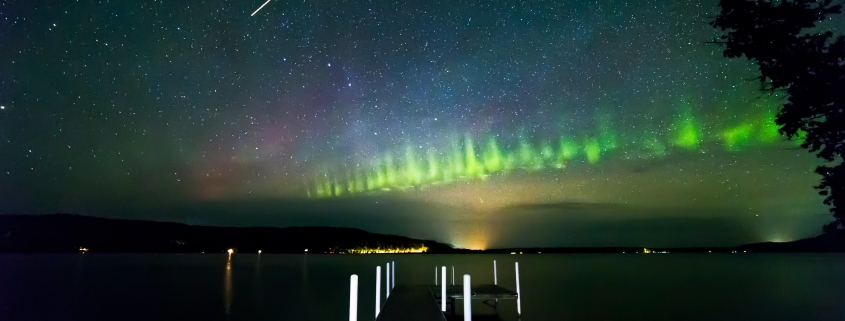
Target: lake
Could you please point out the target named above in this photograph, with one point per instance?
(316, 287)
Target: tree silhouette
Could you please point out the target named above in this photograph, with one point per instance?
(808, 67)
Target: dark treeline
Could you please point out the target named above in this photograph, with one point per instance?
(832, 241)
(69, 233)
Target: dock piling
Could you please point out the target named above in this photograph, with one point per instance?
(518, 296)
(353, 297)
(435, 275)
(420, 302)
(378, 289)
(467, 299)
(443, 290)
(495, 278)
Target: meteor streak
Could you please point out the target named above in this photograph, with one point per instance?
(259, 8)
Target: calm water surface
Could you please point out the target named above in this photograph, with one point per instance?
(316, 287)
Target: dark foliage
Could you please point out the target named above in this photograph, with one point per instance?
(67, 233)
(808, 67)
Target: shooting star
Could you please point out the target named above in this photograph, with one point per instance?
(259, 8)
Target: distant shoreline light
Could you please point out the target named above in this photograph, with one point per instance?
(379, 250)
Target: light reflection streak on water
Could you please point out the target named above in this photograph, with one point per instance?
(227, 286)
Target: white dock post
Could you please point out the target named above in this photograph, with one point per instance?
(387, 282)
(518, 296)
(393, 274)
(378, 289)
(353, 297)
(495, 278)
(443, 290)
(453, 275)
(435, 275)
(467, 299)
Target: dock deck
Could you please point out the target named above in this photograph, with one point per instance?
(479, 292)
(411, 303)
(422, 303)
(485, 292)
(431, 302)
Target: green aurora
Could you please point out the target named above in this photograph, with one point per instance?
(467, 157)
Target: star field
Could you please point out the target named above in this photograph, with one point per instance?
(113, 107)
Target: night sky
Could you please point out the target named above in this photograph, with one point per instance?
(480, 124)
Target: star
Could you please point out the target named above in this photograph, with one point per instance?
(500, 108)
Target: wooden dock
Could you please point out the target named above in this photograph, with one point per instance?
(430, 302)
(411, 303)
(489, 293)
(479, 292)
(422, 303)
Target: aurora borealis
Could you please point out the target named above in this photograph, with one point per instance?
(463, 158)
(506, 123)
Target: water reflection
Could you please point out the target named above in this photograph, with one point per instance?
(80, 286)
(256, 282)
(258, 265)
(78, 277)
(227, 286)
(304, 269)
(306, 281)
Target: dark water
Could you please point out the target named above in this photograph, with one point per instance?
(315, 287)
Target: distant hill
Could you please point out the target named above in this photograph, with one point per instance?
(829, 242)
(69, 233)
